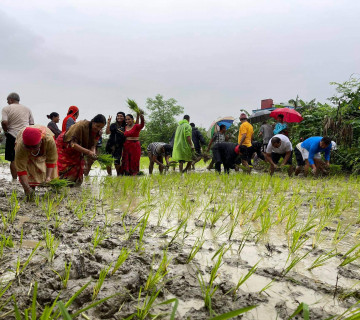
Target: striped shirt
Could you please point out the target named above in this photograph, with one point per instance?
(155, 148)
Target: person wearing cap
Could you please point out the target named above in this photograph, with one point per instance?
(15, 117)
(246, 132)
(226, 153)
(156, 152)
(307, 154)
(279, 147)
(52, 125)
(35, 157)
(70, 119)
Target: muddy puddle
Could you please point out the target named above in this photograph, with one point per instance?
(252, 240)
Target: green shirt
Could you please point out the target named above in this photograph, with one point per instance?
(181, 148)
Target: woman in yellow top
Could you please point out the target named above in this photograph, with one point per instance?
(246, 132)
(35, 157)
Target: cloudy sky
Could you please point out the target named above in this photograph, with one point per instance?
(213, 57)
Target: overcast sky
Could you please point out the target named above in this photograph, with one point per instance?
(213, 57)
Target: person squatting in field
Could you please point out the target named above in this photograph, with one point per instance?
(279, 147)
(156, 152)
(74, 144)
(35, 157)
(308, 154)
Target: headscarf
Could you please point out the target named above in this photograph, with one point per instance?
(72, 110)
(32, 136)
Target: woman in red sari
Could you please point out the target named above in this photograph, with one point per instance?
(73, 144)
(130, 164)
(70, 119)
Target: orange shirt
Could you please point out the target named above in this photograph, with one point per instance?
(248, 129)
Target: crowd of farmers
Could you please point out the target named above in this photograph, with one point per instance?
(38, 154)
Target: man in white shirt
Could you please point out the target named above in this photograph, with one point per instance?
(14, 118)
(279, 147)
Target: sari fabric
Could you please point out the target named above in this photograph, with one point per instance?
(71, 162)
(35, 166)
(130, 164)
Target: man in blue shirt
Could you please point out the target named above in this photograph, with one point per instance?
(309, 151)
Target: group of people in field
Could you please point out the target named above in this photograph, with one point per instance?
(38, 154)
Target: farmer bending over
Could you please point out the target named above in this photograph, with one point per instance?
(226, 153)
(156, 152)
(309, 151)
(279, 147)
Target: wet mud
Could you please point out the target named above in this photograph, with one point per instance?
(113, 209)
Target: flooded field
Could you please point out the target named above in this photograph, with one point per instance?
(198, 245)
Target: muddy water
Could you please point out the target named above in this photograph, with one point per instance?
(118, 207)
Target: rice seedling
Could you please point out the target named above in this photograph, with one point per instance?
(209, 288)
(48, 206)
(243, 279)
(143, 309)
(124, 253)
(51, 244)
(100, 281)
(195, 249)
(321, 259)
(143, 224)
(14, 206)
(233, 314)
(340, 234)
(3, 292)
(243, 240)
(349, 257)
(305, 311)
(98, 237)
(5, 242)
(18, 269)
(177, 231)
(293, 263)
(297, 240)
(64, 278)
(155, 277)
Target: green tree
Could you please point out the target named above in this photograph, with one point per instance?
(161, 122)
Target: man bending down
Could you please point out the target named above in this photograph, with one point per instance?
(279, 147)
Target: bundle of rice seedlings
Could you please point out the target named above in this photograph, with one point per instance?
(105, 160)
(59, 183)
(134, 107)
(206, 156)
(173, 164)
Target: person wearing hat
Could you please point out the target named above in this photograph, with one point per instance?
(246, 132)
(35, 157)
(156, 152)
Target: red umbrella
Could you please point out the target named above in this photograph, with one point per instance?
(290, 115)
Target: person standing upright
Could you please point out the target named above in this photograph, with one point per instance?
(183, 145)
(15, 117)
(246, 132)
(52, 125)
(70, 119)
(266, 132)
